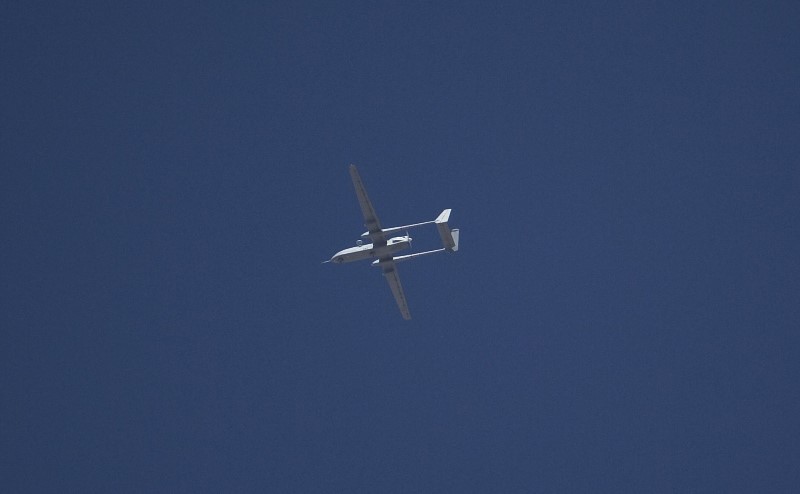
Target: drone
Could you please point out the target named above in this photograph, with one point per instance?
(382, 247)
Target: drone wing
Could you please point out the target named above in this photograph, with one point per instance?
(370, 218)
(390, 272)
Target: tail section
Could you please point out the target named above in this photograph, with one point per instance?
(449, 240)
(449, 237)
(452, 236)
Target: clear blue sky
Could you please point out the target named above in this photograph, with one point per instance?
(623, 315)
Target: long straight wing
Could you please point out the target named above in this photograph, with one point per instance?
(390, 272)
(370, 218)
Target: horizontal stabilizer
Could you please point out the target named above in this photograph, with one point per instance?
(448, 241)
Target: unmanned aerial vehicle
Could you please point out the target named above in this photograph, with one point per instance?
(382, 247)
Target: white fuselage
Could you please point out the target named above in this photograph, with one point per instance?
(368, 251)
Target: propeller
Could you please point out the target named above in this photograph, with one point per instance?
(409, 241)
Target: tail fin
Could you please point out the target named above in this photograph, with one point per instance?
(443, 217)
(454, 234)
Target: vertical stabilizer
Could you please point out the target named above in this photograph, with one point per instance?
(443, 217)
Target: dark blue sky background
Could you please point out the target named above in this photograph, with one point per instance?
(623, 315)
